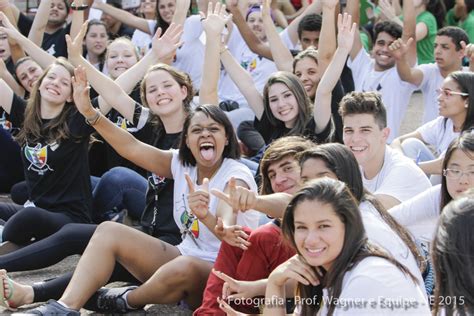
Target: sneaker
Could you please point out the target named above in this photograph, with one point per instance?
(113, 300)
(51, 308)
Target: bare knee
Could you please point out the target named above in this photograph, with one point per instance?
(107, 233)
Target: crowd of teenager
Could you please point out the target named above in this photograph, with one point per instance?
(239, 157)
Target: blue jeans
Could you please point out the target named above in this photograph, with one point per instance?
(120, 187)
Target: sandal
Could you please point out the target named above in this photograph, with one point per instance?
(4, 301)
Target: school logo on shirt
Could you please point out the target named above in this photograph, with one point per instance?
(38, 158)
(122, 123)
(249, 65)
(190, 223)
(51, 50)
(4, 123)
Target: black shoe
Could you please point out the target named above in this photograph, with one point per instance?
(52, 308)
(112, 300)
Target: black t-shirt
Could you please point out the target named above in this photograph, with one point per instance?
(57, 174)
(270, 132)
(337, 94)
(142, 133)
(160, 194)
(54, 44)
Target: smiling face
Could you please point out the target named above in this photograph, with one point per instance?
(148, 7)
(382, 55)
(459, 160)
(284, 175)
(255, 22)
(307, 70)
(58, 12)
(451, 105)
(283, 104)
(56, 88)
(120, 57)
(27, 73)
(166, 9)
(163, 94)
(4, 46)
(314, 168)
(319, 233)
(96, 39)
(364, 137)
(206, 139)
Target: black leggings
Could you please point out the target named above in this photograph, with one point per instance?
(33, 222)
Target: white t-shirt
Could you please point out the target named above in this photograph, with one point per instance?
(257, 66)
(399, 177)
(439, 133)
(375, 286)
(205, 245)
(380, 233)
(432, 80)
(190, 56)
(420, 214)
(395, 92)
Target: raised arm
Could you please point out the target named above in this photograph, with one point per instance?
(353, 9)
(39, 23)
(322, 101)
(123, 16)
(9, 80)
(252, 41)
(409, 29)
(7, 96)
(328, 34)
(181, 11)
(37, 53)
(407, 73)
(244, 82)
(213, 26)
(105, 86)
(143, 155)
(163, 50)
(280, 53)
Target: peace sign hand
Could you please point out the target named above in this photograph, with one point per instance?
(198, 200)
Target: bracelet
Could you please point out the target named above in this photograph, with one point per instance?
(94, 119)
(81, 7)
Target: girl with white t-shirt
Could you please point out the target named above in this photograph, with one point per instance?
(420, 213)
(206, 159)
(456, 110)
(357, 277)
(453, 259)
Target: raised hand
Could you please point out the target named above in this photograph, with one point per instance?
(216, 20)
(399, 48)
(233, 235)
(266, 8)
(8, 28)
(346, 32)
(74, 46)
(387, 12)
(198, 200)
(294, 268)
(80, 93)
(239, 198)
(232, 288)
(165, 46)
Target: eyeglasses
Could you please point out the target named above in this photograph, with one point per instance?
(457, 174)
(447, 93)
